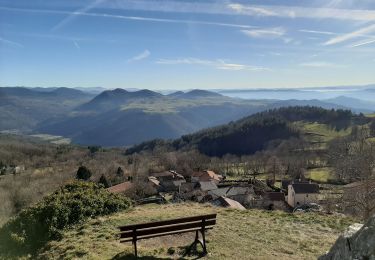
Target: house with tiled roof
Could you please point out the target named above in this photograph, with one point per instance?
(227, 203)
(206, 176)
(121, 188)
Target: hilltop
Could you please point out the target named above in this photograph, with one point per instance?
(237, 235)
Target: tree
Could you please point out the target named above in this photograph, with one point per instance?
(120, 172)
(354, 159)
(372, 128)
(103, 180)
(274, 167)
(83, 173)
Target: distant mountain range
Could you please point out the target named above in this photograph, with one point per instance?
(122, 117)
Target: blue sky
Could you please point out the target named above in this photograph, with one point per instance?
(187, 44)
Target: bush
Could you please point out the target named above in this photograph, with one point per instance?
(33, 227)
(83, 173)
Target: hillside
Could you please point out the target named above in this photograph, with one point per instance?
(250, 234)
(254, 133)
(23, 108)
(119, 117)
(122, 117)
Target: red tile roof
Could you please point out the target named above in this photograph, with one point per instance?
(122, 187)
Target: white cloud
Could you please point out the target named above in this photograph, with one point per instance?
(350, 36)
(320, 64)
(319, 32)
(267, 33)
(362, 43)
(252, 10)
(10, 43)
(123, 17)
(218, 64)
(332, 10)
(141, 56)
(71, 16)
(303, 12)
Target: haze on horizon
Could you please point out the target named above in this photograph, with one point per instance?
(158, 44)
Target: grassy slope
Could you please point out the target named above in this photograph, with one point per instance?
(316, 132)
(173, 105)
(251, 234)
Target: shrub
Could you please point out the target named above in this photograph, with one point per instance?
(83, 173)
(34, 226)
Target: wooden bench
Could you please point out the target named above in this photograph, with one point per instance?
(195, 224)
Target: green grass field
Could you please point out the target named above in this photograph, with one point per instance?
(320, 174)
(316, 132)
(249, 234)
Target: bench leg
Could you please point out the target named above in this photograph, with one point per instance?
(204, 242)
(135, 248)
(194, 245)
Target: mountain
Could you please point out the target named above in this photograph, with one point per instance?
(195, 93)
(23, 108)
(255, 132)
(321, 93)
(111, 99)
(355, 103)
(120, 118)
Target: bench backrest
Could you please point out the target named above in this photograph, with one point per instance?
(166, 227)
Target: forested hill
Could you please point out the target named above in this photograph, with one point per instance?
(253, 133)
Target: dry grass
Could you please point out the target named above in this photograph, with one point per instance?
(250, 234)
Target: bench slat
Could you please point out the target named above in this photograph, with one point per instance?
(169, 228)
(165, 234)
(167, 222)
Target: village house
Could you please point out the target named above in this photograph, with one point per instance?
(168, 181)
(227, 203)
(300, 193)
(121, 188)
(206, 176)
(242, 194)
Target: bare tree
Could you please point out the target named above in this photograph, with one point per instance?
(354, 159)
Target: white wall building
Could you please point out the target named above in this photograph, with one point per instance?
(302, 193)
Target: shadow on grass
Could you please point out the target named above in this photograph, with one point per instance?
(123, 256)
(130, 256)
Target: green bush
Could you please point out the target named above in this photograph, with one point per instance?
(34, 226)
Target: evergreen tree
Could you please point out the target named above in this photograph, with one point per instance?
(120, 172)
(103, 180)
(83, 173)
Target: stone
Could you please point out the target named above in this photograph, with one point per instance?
(357, 243)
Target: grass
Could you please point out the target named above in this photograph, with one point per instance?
(171, 105)
(250, 234)
(55, 139)
(321, 133)
(320, 174)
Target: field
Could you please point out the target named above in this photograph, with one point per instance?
(321, 133)
(172, 105)
(320, 174)
(250, 234)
